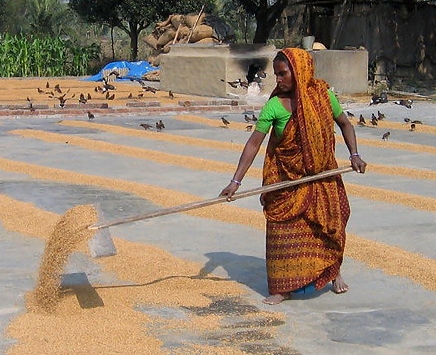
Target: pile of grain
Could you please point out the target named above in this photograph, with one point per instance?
(67, 234)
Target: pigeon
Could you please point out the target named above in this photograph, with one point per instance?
(82, 99)
(247, 118)
(149, 88)
(90, 116)
(374, 121)
(379, 99)
(57, 89)
(160, 125)
(362, 121)
(170, 94)
(405, 103)
(407, 119)
(146, 126)
(380, 116)
(225, 121)
(254, 118)
(88, 97)
(249, 128)
(130, 96)
(417, 121)
(386, 135)
(111, 97)
(412, 127)
(350, 114)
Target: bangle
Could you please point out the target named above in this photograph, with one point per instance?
(236, 182)
(354, 155)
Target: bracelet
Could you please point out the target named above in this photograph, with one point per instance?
(354, 155)
(236, 182)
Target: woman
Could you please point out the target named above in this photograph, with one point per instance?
(305, 230)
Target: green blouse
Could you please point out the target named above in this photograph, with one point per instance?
(274, 114)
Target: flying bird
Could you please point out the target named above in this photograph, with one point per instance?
(386, 135)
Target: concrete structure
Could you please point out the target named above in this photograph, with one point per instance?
(205, 69)
(346, 71)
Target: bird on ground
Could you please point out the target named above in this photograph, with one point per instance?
(412, 127)
(141, 95)
(417, 121)
(57, 89)
(379, 99)
(186, 104)
(130, 96)
(226, 123)
(47, 85)
(149, 88)
(146, 126)
(91, 116)
(89, 97)
(254, 118)
(386, 135)
(107, 86)
(362, 121)
(40, 91)
(350, 114)
(405, 103)
(380, 116)
(247, 118)
(249, 128)
(111, 97)
(407, 119)
(373, 117)
(160, 125)
(82, 99)
(170, 94)
(233, 84)
(374, 121)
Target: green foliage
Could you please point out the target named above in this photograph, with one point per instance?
(22, 56)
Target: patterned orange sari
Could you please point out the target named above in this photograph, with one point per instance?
(305, 236)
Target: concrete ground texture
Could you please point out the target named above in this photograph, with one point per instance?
(53, 159)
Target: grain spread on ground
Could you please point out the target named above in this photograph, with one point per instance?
(152, 276)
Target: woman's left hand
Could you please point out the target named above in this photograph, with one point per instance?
(358, 164)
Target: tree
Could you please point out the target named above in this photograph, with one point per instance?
(132, 16)
(266, 13)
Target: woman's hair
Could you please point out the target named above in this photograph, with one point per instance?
(281, 57)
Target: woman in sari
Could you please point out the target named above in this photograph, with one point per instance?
(305, 224)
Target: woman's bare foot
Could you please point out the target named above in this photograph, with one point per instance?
(276, 299)
(339, 285)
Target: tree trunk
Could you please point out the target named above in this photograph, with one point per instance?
(134, 34)
(112, 43)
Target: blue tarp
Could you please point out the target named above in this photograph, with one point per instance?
(136, 70)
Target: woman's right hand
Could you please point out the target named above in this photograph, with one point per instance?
(229, 191)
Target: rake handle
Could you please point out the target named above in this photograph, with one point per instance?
(220, 199)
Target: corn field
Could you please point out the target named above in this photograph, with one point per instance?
(23, 56)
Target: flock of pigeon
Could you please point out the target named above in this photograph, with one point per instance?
(380, 99)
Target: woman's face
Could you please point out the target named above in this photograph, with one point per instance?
(284, 78)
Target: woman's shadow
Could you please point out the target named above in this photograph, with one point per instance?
(249, 271)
